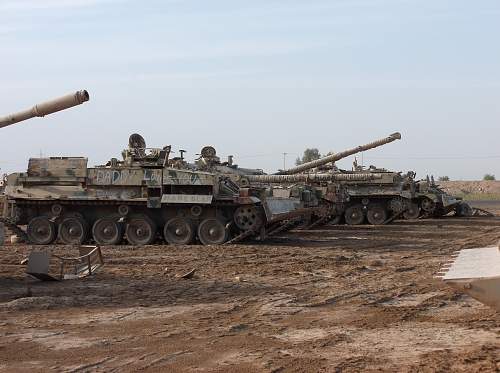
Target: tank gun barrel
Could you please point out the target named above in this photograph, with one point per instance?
(337, 156)
(47, 107)
(312, 177)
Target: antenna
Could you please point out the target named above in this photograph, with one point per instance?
(182, 151)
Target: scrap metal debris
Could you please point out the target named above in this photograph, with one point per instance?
(475, 272)
(480, 212)
(188, 275)
(41, 264)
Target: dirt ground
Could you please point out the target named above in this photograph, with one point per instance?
(335, 299)
(463, 188)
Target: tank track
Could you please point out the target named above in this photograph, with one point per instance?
(285, 225)
(279, 223)
(242, 236)
(10, 223)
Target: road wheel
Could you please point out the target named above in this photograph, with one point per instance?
(41, 231)
(248, 218)
(212, 232)
(140, 230)
(412, 211)
(376, 215)
(107, 231)
(337, 219)
(397, 205)
(73, 230)
(428, 205)
(355, 215)
(178, 231)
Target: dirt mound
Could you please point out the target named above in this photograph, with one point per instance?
(471, 187)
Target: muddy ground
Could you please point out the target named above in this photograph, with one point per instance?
(343, 299)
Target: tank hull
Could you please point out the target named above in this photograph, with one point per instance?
(140, 202)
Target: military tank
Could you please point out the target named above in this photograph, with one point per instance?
(39, 110)
(396, 195)
(377, 195)
(383, 199)
(433, 201)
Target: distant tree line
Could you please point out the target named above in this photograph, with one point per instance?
(487, 177)
(310, 154)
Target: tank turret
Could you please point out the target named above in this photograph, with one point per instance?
(337, 156)
(46, 108)
(209, 161)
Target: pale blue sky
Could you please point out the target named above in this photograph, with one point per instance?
(258, 78)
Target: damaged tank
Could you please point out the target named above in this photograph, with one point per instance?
(396, 195)
(383, 199)
(405, 197)
(433, 201)
(327, 190)
(376, 195)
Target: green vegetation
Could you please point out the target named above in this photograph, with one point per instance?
(489, 177)
(310, 154)
(444, 178)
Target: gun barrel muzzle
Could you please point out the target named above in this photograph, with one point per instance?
(46, 108)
